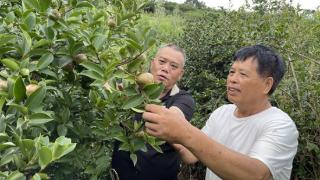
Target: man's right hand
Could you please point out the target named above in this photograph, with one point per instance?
(167, 124)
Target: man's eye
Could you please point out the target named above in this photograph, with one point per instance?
(161, 61)
(173, 66)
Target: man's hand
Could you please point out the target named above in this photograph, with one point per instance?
(167, 124)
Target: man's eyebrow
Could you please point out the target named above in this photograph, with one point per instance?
(168, 60)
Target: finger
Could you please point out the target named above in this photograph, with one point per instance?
(151, 126)
(151, 117)
(154, 108)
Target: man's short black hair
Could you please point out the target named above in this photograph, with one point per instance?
(270, 64)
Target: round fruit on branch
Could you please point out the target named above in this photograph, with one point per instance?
(31, 88)
(3, 85)
(79, 58)
(24, 72)
(112, 22)
(144, 79)
(55, 15)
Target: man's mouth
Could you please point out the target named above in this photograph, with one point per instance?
(162, 78)
(232, 90)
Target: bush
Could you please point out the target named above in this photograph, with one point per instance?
(211, 41)
(68, 86)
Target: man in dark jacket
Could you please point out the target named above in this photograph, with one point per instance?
(167, 67)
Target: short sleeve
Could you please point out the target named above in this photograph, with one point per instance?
(276, 147)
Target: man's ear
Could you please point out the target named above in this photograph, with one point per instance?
(180, 77)
(268, 84)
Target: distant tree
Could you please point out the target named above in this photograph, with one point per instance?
(196, 3)
(170, 6)
(150, 6)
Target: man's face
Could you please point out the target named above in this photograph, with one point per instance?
(244, 85)
(167, 67)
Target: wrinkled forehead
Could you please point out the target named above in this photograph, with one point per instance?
(250, 62)
(170, 54)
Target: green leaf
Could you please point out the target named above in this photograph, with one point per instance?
(157, 148)
(36, 177)
(135, 65)
(44, 61)
(39, 118)
(6, 145)
(41, 42)
(62, 146)
(19, 107)
(98, 41)
(84, 4)
(31, 4)
(49, 73)
(134, 158)
(19, 90)
(133, 101)
(4, 174)
(10, 63)
(153, 91)
(35, 99)
(134, 44)
(93, 67)
(49, 32)
(3, 137)
(92, 74)
(45, 157)
(138, 110)
(44, 5)
(10, 17)
(62, 130)
(27, 148)
(26, 44)
(6, 38)
(4, 49)
(39, 176)
(2, 101)
(16, 175)
(138, 144)
(6, 158)
(30, 21)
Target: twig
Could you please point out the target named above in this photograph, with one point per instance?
(295, 81)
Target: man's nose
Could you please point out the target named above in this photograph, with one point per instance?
(233, 78)
(165, 67)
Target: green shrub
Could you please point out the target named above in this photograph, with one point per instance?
(68, 86)
(210, 42)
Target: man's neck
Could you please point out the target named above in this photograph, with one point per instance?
(248, 110)
(164, 93)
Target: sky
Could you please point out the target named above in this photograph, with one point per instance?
(235, 4)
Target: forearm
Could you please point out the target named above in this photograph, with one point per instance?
(186, 156)
(222, 161)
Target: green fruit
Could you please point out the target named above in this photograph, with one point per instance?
(31, 88)
(112, 22)
(143, 57)
(3, 85)
(55, 15)
(144, 79)
(24, 72)
(107, 86)
(79, 58)
(140, 133)
(68, 67)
